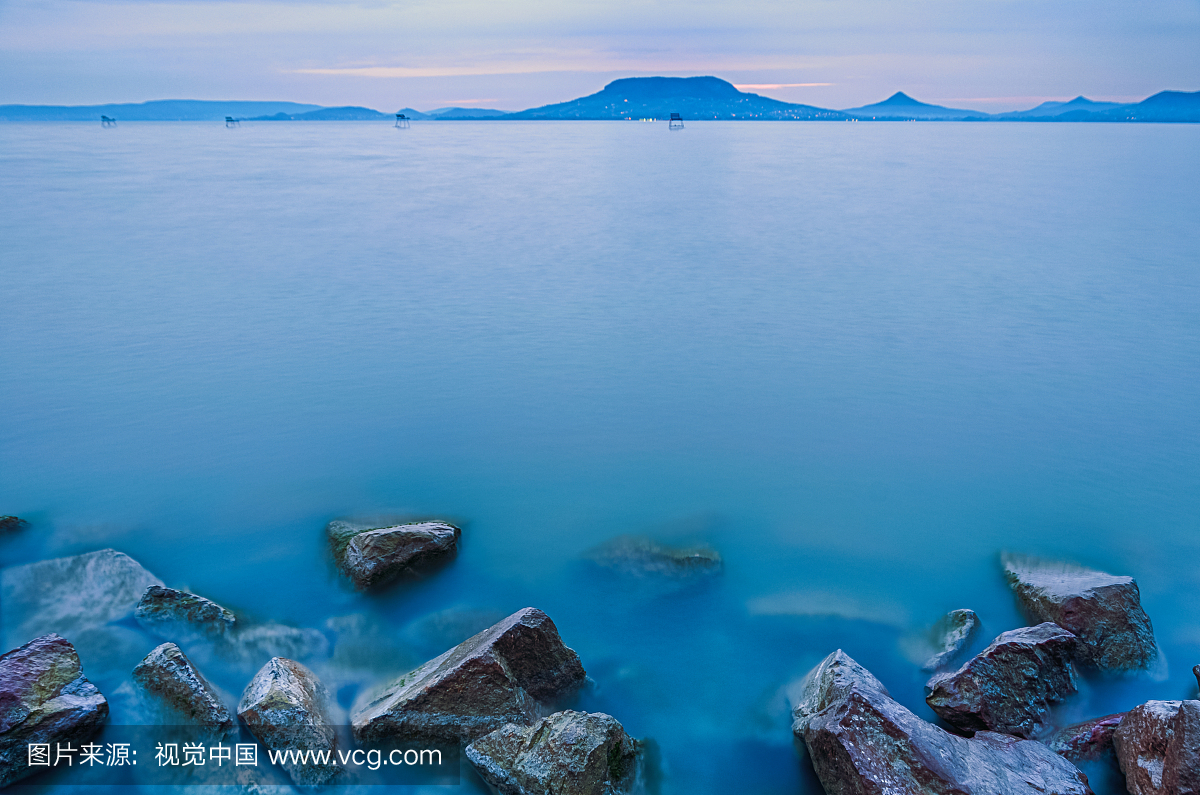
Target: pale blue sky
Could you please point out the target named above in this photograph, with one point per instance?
(989, 54)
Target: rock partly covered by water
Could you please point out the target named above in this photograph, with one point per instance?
(1158, 748)
(44, 698)
(1010, 686)
(65, 595)
(643, 557)
(172, 613)
(506, 674)
(1090, 741)
(1102, 610)
(10, 524)
(1196, 673)
(286, 708)
(373, 555)
(862, 742)
(567, 753)
(951, 636)
(169, 674)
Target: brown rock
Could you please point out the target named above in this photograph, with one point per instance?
(1158, 748)
(286, 708)
(1010, 686)
(508, 673)
(1090, 741)
(373, 555)
(1102, 610)
(178, 614)
(861, 742)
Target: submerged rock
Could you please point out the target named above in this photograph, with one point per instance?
(10, 524)
(286, 708)
(172, 613)
(1158, 748)
(505, 674)
(44, 698)
(263, 641)
(1090, 741)
(1102, 610)
(1010, 686)
(862, 742)
(1196, 673)
(643, 557)
(373, 555)
(66, 595)
(169, 674)
(567, 753)
(950, 637)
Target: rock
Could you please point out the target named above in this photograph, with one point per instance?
(643, 557)
(65, 595)
(169, 674)
(1090, 741)
(505, 674)
(862, 742)
(1010, 686)
(1196, 673)
(285, 707)
(1158, 748)
(1102, 610)
(373, 555)
(178, 614)
(951, 636)
(263, 641)
(44, 698)
(567, 753)
(10, 524)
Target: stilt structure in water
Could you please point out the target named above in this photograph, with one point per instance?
(232, 122)
(676, 122)
(401, 121)
(107, 122)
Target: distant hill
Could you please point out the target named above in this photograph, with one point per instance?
(658, 97)
(349, 113)
(158, 110)
(902, 107)
(1165, 106)
(465, 113)
(1048, 110)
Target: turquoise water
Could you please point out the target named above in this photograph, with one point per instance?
(858, 359)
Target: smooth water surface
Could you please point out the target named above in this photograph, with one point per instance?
(858, 359)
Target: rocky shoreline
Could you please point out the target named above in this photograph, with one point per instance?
(505, 695)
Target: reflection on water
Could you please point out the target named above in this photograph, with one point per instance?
(859, 361)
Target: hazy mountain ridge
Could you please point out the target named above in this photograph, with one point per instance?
(694, 98)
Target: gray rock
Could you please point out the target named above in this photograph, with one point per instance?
(179, 615)
(10, 524)
(861, 742)
(65, 595)
(1158, 748)
(643, 557)
(1090, 741)
(286, 708)
(1010, 686)
(166, 672)
(374, 555)
(567, 753)
(44, 698)
(505, 674)
(951, 636)
(1102, 610)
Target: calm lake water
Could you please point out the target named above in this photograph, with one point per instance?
(860, 360)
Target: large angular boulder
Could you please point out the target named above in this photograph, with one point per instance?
(508, 673)
(169, 674)
(286, 708)
(567, 753)
(44, 698)
(643, 557)
(861, 742)
(1010, 686)
(171, 613)
(1102, 610)
(950, 637)
(374, 555)
(1158, 748)
(66, 595)
(1090, 741)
